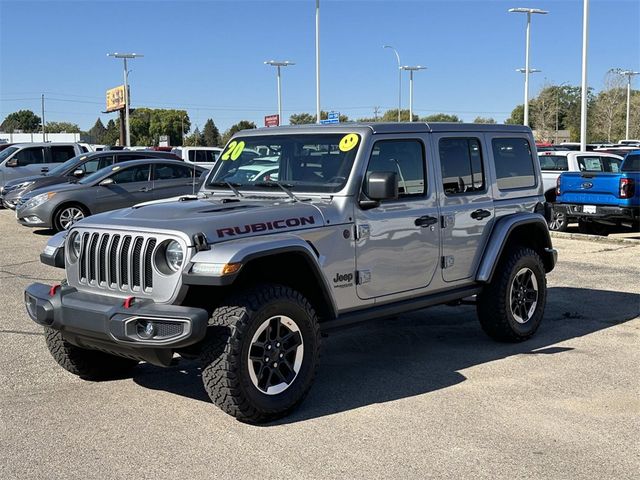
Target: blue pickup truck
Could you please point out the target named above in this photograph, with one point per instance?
(602, 200)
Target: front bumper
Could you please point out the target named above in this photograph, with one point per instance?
(602, 212)
(32, 217)
(145, 330)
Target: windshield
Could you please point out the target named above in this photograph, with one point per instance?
(304, 162)
(62, 168)
(7, 152)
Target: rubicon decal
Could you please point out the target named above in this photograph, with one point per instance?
(266, 226)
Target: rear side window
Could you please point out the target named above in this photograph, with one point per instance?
(461, 165)
(514, 163)
(406, 159)
(165, 171)
(554, 163)
(139, 173)
(62, 154)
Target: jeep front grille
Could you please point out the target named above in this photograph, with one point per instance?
(117, 261)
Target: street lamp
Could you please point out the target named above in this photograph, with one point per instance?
(125, 57)
(411, 69)
(583, 84)
(318, 111)
(629, 74)
(529, 12)
(399, 78)
(277, 64)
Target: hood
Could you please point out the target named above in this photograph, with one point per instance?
(17, 181)
(58, 187)
(38, 181)
(220, 219)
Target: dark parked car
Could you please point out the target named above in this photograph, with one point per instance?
(117, 186)
(71, 170)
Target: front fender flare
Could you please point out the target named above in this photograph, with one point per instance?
(499, 238)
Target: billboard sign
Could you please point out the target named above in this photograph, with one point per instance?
(115, 99)
(272, 120)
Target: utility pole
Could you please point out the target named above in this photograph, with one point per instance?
(44, 135)
(317, 61)
(376, 111)
(126, 56)
(629, 74)
(583, 101)
(411, 69)
(278, 65)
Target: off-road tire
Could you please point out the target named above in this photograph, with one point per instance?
(87, 364)
(224, 358)
(493, 305)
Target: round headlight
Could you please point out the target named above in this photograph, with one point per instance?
(174, 255)
(74, 246)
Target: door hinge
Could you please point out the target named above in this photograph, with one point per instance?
(447, 261)
(362, 231)
(363, 276)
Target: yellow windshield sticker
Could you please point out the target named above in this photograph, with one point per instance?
(348, 142)
(234, 150)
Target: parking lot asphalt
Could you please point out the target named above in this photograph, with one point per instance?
(427, 395)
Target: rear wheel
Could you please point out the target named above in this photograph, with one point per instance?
(262, 353)
(510, 308)
(67, 215)
(87, 364)
(559, 221)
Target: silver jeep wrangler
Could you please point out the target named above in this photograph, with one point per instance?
(297, 230)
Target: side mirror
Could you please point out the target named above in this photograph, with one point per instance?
(381, 186)
(12, 163)
(106, 182)
(79, 173)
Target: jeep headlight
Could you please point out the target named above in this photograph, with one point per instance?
(38, 199)
(174, 255)
(75, 243)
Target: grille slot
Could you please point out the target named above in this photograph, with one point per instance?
(120, 262)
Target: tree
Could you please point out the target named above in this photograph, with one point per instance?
(62, 127)
(196, 139)
(543, 113)
(211, 134)
(307, 118)
(609, 109)
(112, 133)
(484, 120)
(97, 132)
(441, 117)
(392, 115)
(24, 120)
(517, 116)
(241, 125)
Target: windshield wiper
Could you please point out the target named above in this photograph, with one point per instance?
(283, 186)
(232, 187)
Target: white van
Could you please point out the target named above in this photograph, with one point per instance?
(202, 156)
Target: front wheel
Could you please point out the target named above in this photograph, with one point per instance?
(67, 215)
(261, 354)
(510, 308)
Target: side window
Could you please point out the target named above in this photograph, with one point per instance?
(556, 163)
(30, 156)
(406, 159)
(165, 171)
(461, 165)
(139, 173)
(106, 161)
(611, 164)
(91, 166)
(62, 153)
(192, 155)
(514, 163)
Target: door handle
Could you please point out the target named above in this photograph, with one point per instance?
(145, 189)
(425, 221)
(480, 214)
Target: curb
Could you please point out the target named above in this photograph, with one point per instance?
(595, 238)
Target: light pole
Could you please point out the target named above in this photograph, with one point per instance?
(629, 74)
(125, 57)
(317, 61)
(584, 92)
(558, 106)
(277, 64)
(529, 12)
(411, 69)
(399, 78)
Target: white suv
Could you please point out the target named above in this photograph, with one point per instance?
(553, 163)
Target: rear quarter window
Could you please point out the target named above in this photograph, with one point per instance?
(555, 163)
(514, 163)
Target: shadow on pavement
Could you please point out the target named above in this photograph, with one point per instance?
(390, 359)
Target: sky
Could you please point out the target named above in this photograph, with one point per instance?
(207, 56)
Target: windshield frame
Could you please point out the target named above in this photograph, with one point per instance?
(329, 137)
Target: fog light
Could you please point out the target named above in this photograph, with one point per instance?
(146, 330)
